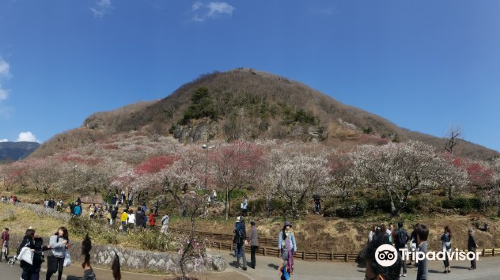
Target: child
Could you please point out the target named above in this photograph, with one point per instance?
(5, 244)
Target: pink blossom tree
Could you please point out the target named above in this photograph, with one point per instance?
(236, 165)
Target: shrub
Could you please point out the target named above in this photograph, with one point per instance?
(462, 204)
(351, 210)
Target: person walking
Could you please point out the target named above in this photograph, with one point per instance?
(114, 214)
(35, 244)
(446, 247)
(151, 219)
(422, 235)
(131, 219)
(471, 246)
(371, 234)
(244, 206)
(58, 243)
(401, 237)
(254, 244)
(5, 244)
(240, 238)
(317, 203)
(287, 246)
(164, 223)
(139, 218)
(413, 243)
(123, 219)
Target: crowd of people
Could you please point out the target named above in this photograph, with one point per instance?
(287, 246)
(399, 238)
(32, 253)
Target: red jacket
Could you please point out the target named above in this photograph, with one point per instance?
(152, 219)
(5, 236)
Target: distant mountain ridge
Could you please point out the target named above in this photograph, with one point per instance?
(16, 150)
(249, 104)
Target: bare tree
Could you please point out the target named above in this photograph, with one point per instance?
(453, 137)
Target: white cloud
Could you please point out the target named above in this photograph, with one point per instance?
(196, 6)
(217, 8)
(211, 10)
(4, 68)
(27, 137)
(101, 8)
(4, 75)
(4, 140)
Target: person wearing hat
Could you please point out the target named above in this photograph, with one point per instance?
(287, 246)
(240, 239)
(471, 246)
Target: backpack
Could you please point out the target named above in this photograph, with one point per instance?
(238, 236)
(78, 210)
(401, 238)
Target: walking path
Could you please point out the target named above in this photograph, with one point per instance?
(267, 269)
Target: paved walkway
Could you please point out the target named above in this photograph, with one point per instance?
(267, 270)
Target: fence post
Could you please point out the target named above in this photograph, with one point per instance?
(317, 255)
(231, 247)
(304, 255)
(331, 256)
(345, 257)
(493, 252)
(484, 251)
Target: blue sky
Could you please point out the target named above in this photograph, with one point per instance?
(424, 65)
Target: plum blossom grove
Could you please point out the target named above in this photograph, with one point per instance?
(163, 169)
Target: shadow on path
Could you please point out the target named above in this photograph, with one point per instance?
(272, 265)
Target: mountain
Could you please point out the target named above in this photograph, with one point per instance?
(249, 104)
(16, 150)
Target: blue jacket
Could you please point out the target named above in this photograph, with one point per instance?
(292, 241)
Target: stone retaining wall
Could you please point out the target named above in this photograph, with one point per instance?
(133, 259)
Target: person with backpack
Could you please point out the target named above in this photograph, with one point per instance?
(59, 243)
(240, 239)
(401, 237)
(139, 218)
(446, 247)
(77, 210)
(5, 244)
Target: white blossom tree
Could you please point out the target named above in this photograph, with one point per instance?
(400, 170)
(296, 176)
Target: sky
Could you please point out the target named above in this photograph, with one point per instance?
(424, 65)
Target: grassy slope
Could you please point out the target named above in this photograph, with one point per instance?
(315, 233)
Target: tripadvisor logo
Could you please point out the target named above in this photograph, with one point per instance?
(386, 255)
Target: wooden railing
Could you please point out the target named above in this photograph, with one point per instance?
(215, 242)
